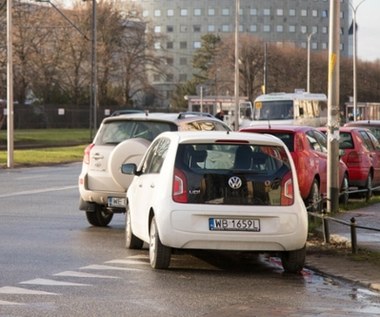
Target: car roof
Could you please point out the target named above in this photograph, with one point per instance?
(222, 136)
(363, 123)
(277, 128)
(163, 116)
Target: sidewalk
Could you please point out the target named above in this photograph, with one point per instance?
(336, 259)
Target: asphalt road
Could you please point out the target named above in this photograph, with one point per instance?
(53, 263)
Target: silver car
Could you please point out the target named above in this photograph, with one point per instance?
(124, 139)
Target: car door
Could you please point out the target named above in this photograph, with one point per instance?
(374, 147)
(318, 160)
(145, 187)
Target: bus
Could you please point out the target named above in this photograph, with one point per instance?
(298, 108)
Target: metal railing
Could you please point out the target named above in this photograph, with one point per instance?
(352, 224)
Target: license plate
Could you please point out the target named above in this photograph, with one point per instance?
(234, 224)
(116, 202)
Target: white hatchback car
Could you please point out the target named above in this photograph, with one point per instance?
(217, 191)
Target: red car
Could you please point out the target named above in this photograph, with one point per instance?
(362, 157)
(308, 147)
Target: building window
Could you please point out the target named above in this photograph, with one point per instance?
(156, 77)
(266, 12)
(225, 12)
(183, 45)
(145, 13)
(169, 28)
(303, 29)
(157, 29)
(292, 12)
(211, 28)
(169, 61)
(211, 11)
(324, 29)
(196, 28)
(314, 13)
(280, 12)
(303, 13)
(183, 12)
(325, 14)
(225, 28)
(253, 28)
(170, 12)
(183, 28)
(314, 29)
(292, 28)
(253, 12)
(169, 77)
(157, 45)
(157, 13)
(197, 44)
(197, 12)
(266, 28)
(169, 45)
(279, 28)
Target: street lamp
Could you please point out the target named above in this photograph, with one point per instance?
(354, 54)
(237, 96)
(308, 60)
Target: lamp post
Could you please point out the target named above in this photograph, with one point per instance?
(354, 55)
(237, 96)
(308, 60)
(10, 117)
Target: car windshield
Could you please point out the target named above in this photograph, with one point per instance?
(114, 132)
(212, 169)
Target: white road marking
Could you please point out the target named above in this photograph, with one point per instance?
(126, 261)
(3, 302)
(43, 281)
(107, 267)
(83, 274)
(37, 191)
(22, 291)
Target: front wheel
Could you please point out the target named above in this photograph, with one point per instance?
(293, 261)
(131, 241)
(159, 255)
(100, 217)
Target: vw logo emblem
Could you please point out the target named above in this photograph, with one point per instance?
(235, 182)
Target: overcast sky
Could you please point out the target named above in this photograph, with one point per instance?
(368, 34)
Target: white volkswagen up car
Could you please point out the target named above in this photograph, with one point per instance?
(216, 191)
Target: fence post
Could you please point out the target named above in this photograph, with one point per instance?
(326, 230)
(354, 245)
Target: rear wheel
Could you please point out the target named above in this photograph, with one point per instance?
(368, 187)
(344, 194)
(159, 254)
(100, 217)
(131, 241)
(293, 261)
(314, 200)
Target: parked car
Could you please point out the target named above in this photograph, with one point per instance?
(216, 191)
(362, 157)
(125, 138)
(372, 125)
(308, 147)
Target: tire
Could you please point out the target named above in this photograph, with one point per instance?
(159, 255)
(293, 261)
(344, 193)
(314, 203)
(100, 217)
(131, 241)
(368, 187)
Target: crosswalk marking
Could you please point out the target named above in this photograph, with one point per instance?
(22, 291)
(43, 281)
(126, 261)
(108, 267)
(3, 302)
(83, 274)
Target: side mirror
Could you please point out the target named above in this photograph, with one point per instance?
(341, 152)
(129, 169)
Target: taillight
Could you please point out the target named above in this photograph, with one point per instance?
(179, 186)
(353, 158)
(87, 150)
(287, 190)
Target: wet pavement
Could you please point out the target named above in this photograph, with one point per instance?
(342, 265)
